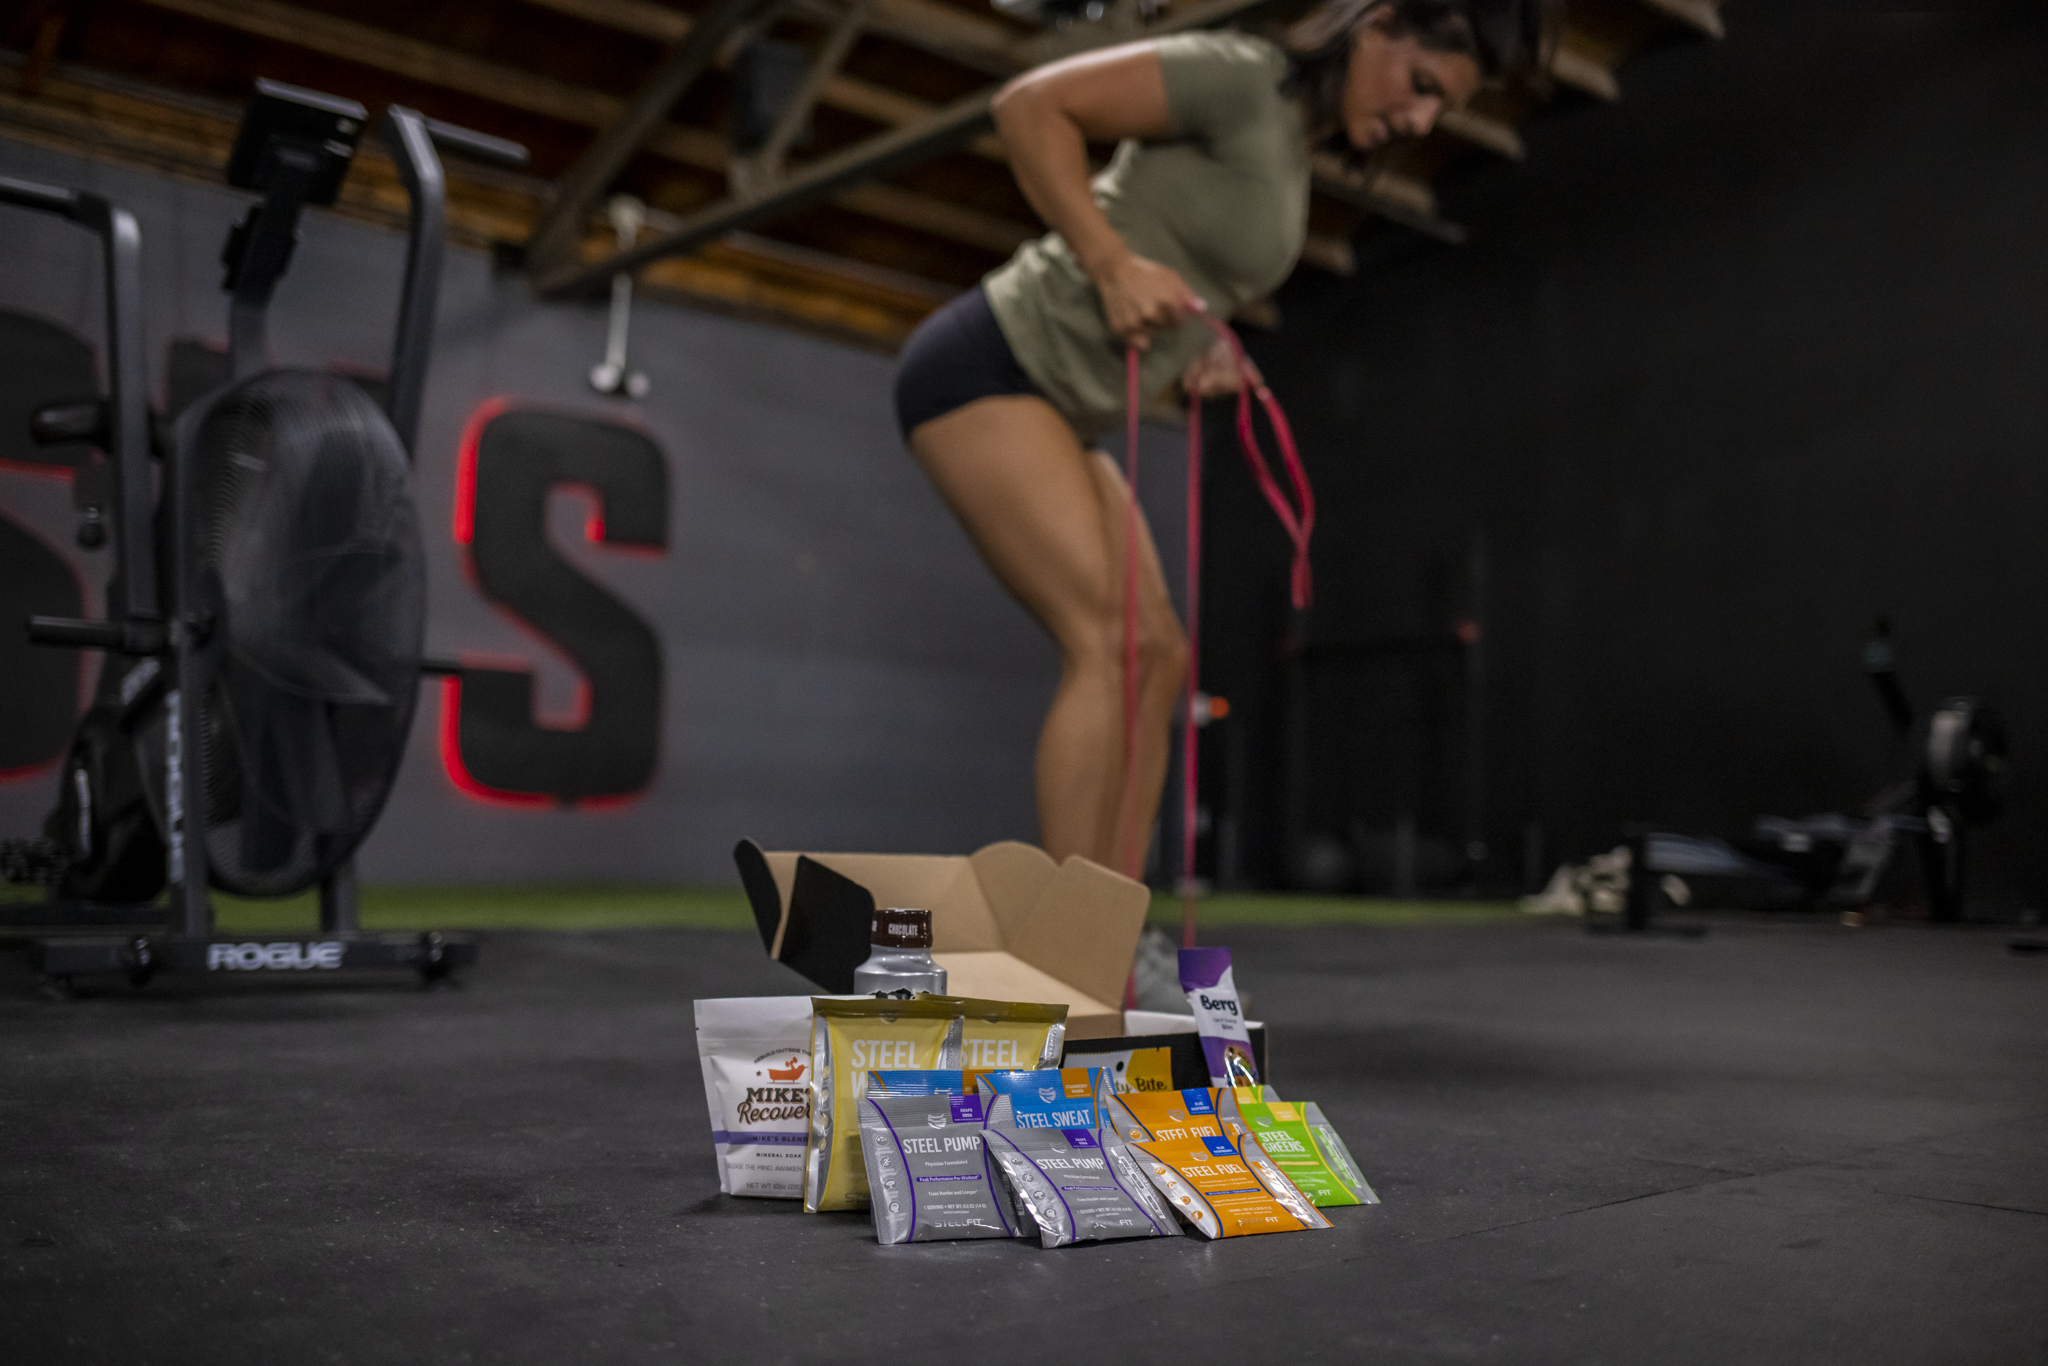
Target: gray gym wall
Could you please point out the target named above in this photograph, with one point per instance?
(1727, 368)
(840, 670)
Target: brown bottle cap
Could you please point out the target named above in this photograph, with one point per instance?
(901, 927)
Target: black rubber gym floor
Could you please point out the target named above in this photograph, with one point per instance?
(1775, 1144)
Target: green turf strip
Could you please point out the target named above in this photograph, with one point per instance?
(524, 907)
(590, 908)
(1285, 910)
(594, 908)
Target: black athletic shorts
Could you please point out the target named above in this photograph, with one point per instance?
(956, 356)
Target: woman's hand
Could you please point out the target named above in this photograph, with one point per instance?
(1215, 372)
(1142, 298)
(1046, 119)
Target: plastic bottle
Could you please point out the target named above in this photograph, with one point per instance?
(901, 959)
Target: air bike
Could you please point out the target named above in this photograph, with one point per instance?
(266, 615)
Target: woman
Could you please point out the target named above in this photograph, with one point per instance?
(1202, 210)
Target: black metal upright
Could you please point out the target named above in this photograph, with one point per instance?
(412, 147)
(133, 594)
(184, 783)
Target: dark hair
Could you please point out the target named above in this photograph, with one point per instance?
(1499, 35)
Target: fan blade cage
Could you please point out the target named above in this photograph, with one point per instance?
(307, 550)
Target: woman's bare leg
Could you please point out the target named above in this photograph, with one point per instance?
(1162, 671)
(1048, 518)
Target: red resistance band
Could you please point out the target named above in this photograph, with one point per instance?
(1296, 518)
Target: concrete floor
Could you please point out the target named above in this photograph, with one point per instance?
(1775, 1144)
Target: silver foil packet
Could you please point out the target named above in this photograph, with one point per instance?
(1079, 1185)
(928, 1169)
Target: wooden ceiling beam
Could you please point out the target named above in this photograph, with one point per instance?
(1571, 64)
(938, 217)
(560, 228)
(898, 149)
(840, 91)
(1329, 254)
(1483, 130)
(1395, 197)
(402, 56)
(1704, 16)
(815, 183)
(763, 165)
(697, 148)
(638, 17)
(924, 24)
(105, 118)
(984, 43)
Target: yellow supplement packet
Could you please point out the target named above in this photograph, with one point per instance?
(849, 1039)
(1009, 1035)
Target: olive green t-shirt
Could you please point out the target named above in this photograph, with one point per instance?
(1223, 201)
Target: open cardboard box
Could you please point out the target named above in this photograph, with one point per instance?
(1008, 924)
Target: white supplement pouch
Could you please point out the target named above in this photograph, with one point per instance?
(756, 1055)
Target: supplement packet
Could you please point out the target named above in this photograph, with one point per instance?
(1051, 1098)
(1225, 1185)
(1130, 1069)
(1145, 1116)
(849, 1039)
(1336, 1154)
(1009, 1034)
(1212, 995)
(935, 1082)
(1282, 1130)
(1077, 1185)
(755, 1052)
(929, 1172)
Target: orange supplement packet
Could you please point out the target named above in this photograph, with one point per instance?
(1146, 1116)
(1225, 1186)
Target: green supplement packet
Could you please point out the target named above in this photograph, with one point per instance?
(1303, 1144)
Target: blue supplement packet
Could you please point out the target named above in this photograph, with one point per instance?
(938, 1081)
(1050, 1098)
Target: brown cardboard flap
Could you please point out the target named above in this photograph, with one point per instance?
(1006, 923)
(962, 920)
(895, 879)
(1012, 877)
(1001, 977)
(943, 885)
(1084, 928)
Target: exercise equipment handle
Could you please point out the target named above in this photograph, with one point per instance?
(26, 194)
(410, 136)
(134, 589)
(477, 146)
(413, 137)
(128, 637)
(73, 420)
(89, 635)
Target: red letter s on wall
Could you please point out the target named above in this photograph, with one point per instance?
(493, 748)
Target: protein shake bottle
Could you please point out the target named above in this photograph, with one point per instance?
(901, 960)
